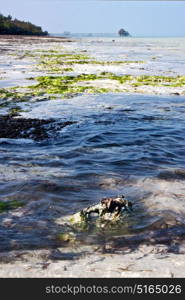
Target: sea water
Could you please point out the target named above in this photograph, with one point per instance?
(121, 143)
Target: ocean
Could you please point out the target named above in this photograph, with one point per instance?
(128, 143)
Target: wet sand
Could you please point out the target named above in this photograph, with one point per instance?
(145, 261)
(25, 39)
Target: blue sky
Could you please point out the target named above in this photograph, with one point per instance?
(140, 18)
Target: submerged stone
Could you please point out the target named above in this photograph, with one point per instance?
(36, 129)
(109, 212)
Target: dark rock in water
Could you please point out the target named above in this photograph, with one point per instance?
(175, 94)
(123, 32)
(171, 175)
(16, 128)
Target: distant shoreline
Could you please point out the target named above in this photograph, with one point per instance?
(109, 35)
(35, 38)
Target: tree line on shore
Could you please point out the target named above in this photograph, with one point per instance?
(15, 26)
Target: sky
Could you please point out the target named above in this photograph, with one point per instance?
(140, 18)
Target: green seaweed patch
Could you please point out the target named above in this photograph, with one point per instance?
(178, 81)
(71, 59)
(50, 87)
(122, 79)
(67, 237)
(102, 63)
(11, 94)
(46, 51)
(65, 84)
(67, 69)
(39, 53)
(9, 205)
(14, 95)
(118, 62)
(54, 66)
(65, 56)
(15, 110)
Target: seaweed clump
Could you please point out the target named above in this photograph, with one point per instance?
(9, 205)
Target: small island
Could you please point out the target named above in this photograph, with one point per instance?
(17, 27)
(123, 32)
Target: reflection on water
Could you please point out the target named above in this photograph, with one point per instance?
(121, 144)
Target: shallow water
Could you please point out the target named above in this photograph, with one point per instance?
(120, 144)
(161, 56)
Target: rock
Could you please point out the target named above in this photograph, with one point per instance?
(108, 212)
(16, 128)
(175, 94)
(123, 32)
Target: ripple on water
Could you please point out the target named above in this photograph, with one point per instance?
(131, 149)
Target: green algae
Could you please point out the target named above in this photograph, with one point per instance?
(71, 84)
(8, 205)
(53, 61)
(15, 110)
(102, 63)
(66, 84)
(177, 81)
(46, 51)
(66, 237)
(53, 67)
(71, 59)
(13, 94)
(67, 69)
(65, 55)
(50, 87)
(117, 62)
(5, 94)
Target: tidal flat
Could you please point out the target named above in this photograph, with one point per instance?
(81, 120)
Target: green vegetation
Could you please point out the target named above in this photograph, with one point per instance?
(71, 59)
(8, 94)
(66, 237)
(58, 61)
(10, 26)
(68, 84)
(52, 61)
(15, 110)
(8, 205)
(65, 55)
(178, 81)
(103, 63)
(13, 94)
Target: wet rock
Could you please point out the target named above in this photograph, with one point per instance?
(107, 213)
(16, 128)
(175, 94)
(109, 207)
(176, 174)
